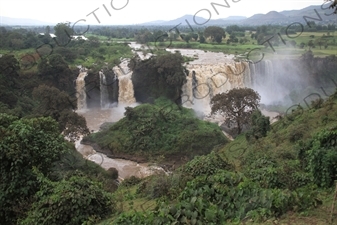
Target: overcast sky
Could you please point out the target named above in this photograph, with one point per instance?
(139, 11)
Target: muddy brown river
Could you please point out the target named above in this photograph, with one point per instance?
(126, 168)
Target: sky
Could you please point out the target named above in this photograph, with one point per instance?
(128, 12)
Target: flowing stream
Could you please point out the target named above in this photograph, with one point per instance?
(126, 168)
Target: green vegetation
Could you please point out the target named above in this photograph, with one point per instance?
(290, 168)
(158, 76)
(162, 129)
(282, 173)
(237, 105)
(70, 201)
(38, 167)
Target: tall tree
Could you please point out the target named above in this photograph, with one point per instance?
(58, 105)
(237, 105)
(158, 76)
(216, 33)
(25, 143)
(47, 31)
(63, 34)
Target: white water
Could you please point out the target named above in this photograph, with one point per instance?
(126, 92)
(215, 73)
(80, 90)
(104, 91)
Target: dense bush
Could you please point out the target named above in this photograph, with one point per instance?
(223, 197)
(25, 143)
(160, 129)
(205, 165)
(113, 173)
(70, 202)
(322, 158)
(158, 76)
(259, 126)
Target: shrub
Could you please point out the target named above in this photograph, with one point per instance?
(260, 125)
(113, 173)
(322, 158)
(130, 181)
(70, 202)
(205, 165)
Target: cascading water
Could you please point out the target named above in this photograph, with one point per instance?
(126, 92)
(80, 90)
(104, 91)
(265, 81)
(206, 80)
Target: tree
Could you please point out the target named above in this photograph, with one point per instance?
(216, 33)
(25, 143)
(9, 80)
(237, 105)
(186, 37)
(71, 201)
(158, 76)
(319, 42)
(202, 39)
(55, 72)
(58, 105)
(259, 125)
(63, 34)
(195, 36)
(311, 44)
(47, 30)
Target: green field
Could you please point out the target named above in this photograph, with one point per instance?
(280, 50)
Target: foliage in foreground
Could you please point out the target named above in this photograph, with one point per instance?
(25, 143)
(71, 201)
(221, 198)
(31, 145)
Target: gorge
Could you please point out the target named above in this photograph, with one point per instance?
(209, 74)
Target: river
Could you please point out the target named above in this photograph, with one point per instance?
(126, 168)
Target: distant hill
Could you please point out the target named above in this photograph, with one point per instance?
(235, 18)
(22, 22)
(269, 18)
(326, 14)
(182, 20)
(272, 17)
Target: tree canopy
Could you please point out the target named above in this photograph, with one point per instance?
(158, 76)
(63, 34)
(216, 33)
(25, 143)
(237, 105)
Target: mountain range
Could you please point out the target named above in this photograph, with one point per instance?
(309, 13)
(272, 17)
(8, 21)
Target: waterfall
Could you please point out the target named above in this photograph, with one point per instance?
(80, 90)
(206, 80)
(265, 81)
(104, 91)
(126, 91)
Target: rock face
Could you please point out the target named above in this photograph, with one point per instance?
(80, 90)
(126, 92)
(206, 80)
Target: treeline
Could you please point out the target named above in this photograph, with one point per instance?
(19, 38)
